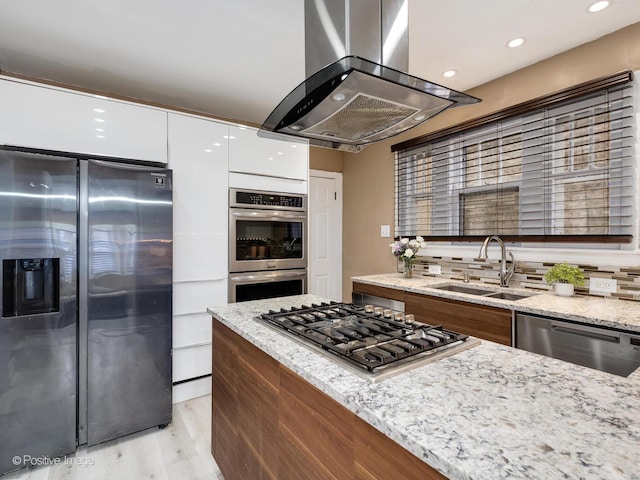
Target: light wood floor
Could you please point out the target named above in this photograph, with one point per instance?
(182, 450)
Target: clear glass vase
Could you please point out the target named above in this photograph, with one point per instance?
(408, 267)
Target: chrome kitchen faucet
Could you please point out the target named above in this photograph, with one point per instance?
(505, 272)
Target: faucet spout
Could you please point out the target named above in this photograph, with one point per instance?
(506, 272)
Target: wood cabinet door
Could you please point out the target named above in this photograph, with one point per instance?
(258, 385)
(480, 321)
(377, 291)
(316, 433)
(379, 458)
(224, 398)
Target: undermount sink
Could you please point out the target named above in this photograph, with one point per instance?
(507, 296)
(481, 292)
(463, 289)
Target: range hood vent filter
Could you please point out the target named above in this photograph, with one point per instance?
(354, 122)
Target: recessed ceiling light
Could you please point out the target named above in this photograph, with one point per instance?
(599, 6)
(449, 73)
(515, 42)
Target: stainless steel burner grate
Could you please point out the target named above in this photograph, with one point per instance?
(369, 338)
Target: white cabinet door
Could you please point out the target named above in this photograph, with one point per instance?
(191, 362)
(42, 117)
(191, 322)
(198, 154)
(249, 153)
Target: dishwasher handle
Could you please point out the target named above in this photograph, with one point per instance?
(585, 332)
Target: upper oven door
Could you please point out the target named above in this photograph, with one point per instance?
(266, 239)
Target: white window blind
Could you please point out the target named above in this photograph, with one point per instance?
(563, 172)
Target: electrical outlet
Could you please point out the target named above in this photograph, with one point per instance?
(603, 285)
(435, 269)
(385, 230)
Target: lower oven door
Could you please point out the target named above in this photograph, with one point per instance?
(260, 285)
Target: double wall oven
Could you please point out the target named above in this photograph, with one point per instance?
(267, 244)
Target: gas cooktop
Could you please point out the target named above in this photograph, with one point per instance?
(375, 340)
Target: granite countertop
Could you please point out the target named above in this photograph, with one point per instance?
(489, 412)
(605, 312)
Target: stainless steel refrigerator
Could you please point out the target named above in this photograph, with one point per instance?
(85, 333)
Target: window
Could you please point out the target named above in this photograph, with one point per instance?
(562, 172)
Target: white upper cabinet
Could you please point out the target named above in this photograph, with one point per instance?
(249, 153)
(198, 156)
(42, 117)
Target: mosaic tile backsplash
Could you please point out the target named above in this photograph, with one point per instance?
(529, 275)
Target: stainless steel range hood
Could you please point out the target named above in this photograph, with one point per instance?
(357, 92)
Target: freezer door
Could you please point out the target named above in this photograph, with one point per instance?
(38, 296)
(129, 285)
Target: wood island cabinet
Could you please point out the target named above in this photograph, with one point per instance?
(269, 423)
(376, 458)
(224, 398)
(377, 291)
(480, 321)
(244, 419)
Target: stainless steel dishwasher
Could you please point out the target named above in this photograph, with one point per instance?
(609, 350)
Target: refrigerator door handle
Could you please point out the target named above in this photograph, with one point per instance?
(83, 295)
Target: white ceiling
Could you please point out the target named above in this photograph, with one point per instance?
(237, 59)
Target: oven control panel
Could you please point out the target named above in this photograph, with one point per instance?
(270, 200)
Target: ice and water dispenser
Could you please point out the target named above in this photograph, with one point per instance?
(30, 286)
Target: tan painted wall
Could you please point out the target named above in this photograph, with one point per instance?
(325, 159)
(368, 176)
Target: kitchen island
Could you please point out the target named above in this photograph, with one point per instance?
(489, 412)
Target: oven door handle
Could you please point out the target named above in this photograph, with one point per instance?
(275, 215)
(268, 276)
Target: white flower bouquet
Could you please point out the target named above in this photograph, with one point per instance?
(406, 248)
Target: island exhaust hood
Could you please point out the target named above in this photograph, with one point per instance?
(351, 101)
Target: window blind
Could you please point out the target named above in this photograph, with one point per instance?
(563, 172)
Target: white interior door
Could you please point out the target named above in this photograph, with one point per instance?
(325, 234)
